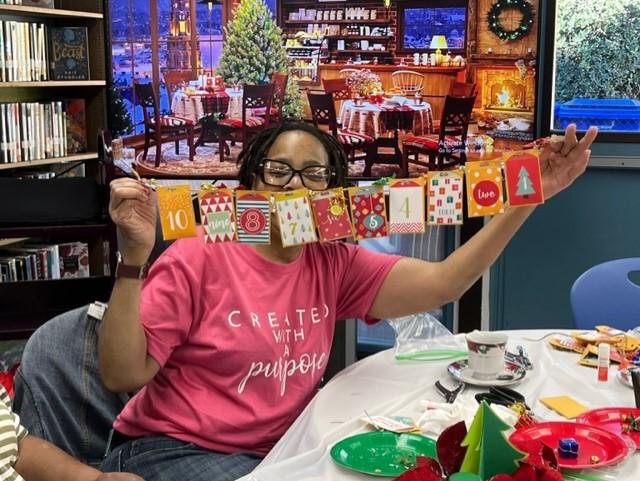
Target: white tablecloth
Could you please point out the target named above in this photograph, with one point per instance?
(190, 106)
(383, 386)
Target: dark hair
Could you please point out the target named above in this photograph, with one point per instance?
(257, 148)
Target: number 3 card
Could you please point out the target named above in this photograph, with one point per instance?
(294, 218)
(177, 217)
(406, 206)
(368, 211)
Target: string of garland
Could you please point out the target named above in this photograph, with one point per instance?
(493, 18)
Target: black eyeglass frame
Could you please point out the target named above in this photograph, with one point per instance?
(298, 172)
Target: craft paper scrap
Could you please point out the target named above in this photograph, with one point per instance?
(564, 405)
(484, 188)
(295, 218)
(396, 424)
(177, 217)
(523, 178)
(444, 194)
(368, 211)
(217, 219)
(406, 206)
(253, 216)
(331, 214)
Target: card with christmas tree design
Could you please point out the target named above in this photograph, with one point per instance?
(253, 216)
(295, 218)
(331, 214)
(523, 178)
(444, 197)
(484, 188)
(406, 206)
(217, 215)
(175, 208)
(368, 211)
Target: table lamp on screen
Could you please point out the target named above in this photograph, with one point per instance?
(438, 42)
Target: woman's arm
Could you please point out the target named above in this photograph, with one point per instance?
(39, 460)
(414, 285)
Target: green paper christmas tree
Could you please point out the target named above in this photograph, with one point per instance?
(253, 50)
(525, 187)
(488, 450)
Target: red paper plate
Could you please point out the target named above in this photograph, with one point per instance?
(611, 420)
(593, 441)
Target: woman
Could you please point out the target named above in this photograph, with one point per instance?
(228, 341)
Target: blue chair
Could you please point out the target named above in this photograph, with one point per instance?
(604, 294)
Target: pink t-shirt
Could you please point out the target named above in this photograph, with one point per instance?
(243, 342)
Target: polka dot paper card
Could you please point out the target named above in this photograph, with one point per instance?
(406, 206)
(175, 208)
(253, 216)
(368, 211)
(484, 188)
(218, 219)
(295, 218)
(523, 179)
(444, 194)
(331, 214)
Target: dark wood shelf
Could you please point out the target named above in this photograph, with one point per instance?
(376, 52)
(20, 315)
(55, 230)
(46, 12)
(377, 21)
(360, 37)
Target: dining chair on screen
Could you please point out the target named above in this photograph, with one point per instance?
(457, 89)
(407, 82)
(339, 90)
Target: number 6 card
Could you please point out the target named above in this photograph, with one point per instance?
(294, 218)
(177, 217)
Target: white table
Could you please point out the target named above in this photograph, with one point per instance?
(189, 106)
(382, 385)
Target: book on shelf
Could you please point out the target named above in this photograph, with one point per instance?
(69, 54)
(76, 118)
(37, 3)
(23, 52)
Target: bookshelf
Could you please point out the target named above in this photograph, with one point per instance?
(26, 304)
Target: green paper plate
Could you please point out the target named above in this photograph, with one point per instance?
(432, 355)
(382, 453)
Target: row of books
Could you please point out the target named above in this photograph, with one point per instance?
(32, 3)
(28, 49)
(41, 130)
(33, 262)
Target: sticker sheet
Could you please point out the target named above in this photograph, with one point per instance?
(175, 208)
(331, 214)
(406, 206)
(484, 188)
(368, 211)
(253, 216)
(444, 194)
(295, 218)
(523, 178)
(217, 215)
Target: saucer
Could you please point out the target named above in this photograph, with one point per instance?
(624, 376)
(512, 374)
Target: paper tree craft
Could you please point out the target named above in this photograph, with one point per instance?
(488, 450)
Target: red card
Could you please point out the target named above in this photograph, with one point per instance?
(522, 175)
(368, 212)
(332, 215)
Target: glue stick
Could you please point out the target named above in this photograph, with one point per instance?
(604, 351)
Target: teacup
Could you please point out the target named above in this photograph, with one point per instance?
(486, 353)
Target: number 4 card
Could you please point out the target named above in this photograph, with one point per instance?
(406, 206)
(524, 182)
(294, 218)
(177, 217)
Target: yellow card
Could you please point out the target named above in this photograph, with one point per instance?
(564, 405)
(176, 211)
(484, 188)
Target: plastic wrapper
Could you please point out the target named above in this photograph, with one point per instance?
(422, 337)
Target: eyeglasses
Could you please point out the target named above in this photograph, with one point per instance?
(278, 174)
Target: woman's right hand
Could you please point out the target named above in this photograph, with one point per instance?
(132, 207)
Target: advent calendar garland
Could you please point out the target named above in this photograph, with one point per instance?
(305, 216)
(493, 18)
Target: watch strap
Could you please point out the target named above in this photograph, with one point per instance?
(131, 272)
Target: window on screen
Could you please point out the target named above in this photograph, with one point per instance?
(419, 22)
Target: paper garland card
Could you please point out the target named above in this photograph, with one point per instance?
(406, 206)
(484, 188)
(175, 208)
(294, 217)
(217, 219)
(368, 211)
(253, 216)
(331, 214)
(523, 178)
(444, 194)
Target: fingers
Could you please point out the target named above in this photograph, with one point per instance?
(570, 139)
(588, 138)
(127, 189)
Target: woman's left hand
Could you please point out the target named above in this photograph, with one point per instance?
(564, 158)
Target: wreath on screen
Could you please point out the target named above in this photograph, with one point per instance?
(493, 18)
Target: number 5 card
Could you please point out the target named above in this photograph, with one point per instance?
(177, 217)
(294, 218)
(406, 206)
(368, 211)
